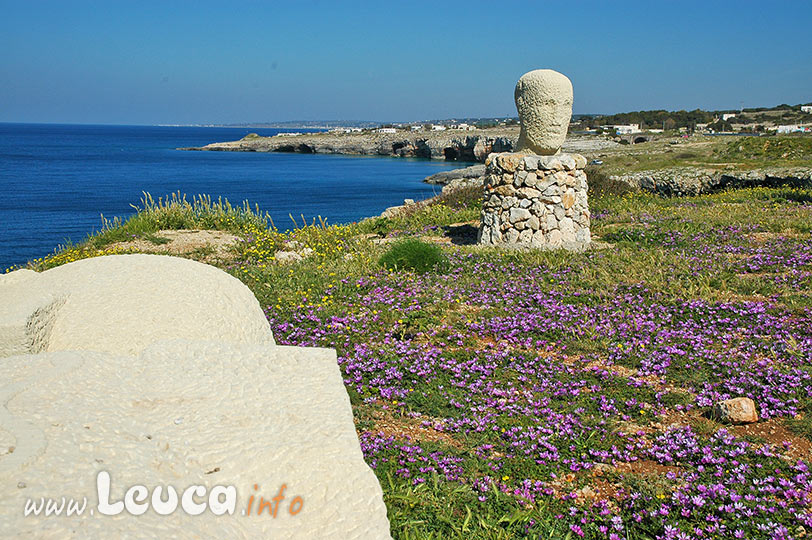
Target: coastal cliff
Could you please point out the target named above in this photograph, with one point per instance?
(447, 145)
(451, 145)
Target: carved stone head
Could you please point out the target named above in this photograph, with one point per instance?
(544, 101)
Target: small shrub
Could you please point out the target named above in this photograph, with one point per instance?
(600, 183)
(414, 255)
(469, 197)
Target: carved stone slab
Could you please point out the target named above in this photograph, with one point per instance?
(259, 438)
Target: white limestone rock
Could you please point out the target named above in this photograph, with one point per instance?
(544, 102)
(122, 303)
(163, 372)
(185, 413)
(519, 214)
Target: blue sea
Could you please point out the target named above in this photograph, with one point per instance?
(57, 180)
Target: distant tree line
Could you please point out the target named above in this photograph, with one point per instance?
(661, 119)
(782, 107)
(658, 119)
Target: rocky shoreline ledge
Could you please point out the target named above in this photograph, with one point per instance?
(450, 145)
(680, 181)
(671, 182)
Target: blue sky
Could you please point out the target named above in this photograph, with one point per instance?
(150, 62)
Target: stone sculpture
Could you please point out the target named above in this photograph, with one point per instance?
(199, 401)
(537, 197)
(544, 102)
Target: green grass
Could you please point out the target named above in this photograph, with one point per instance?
(767, 148)
(176, 212)
(726, 153)
(173, 212)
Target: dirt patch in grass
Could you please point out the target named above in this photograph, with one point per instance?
(440, 240)
(209, 246)
(774, 432)
(412, 428)
(733, 297)
(605, 490)
(764, 237)
(646, 467)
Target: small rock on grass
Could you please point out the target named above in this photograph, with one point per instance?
(739, 410)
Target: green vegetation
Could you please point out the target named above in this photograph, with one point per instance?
(413, 255)
(173, 212)
(657, 119)
(669, 120)
(716, 153)
(527, 394)
(176, 212)
(768, 148)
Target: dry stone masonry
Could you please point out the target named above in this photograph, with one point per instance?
(535, 202)
(538, 198)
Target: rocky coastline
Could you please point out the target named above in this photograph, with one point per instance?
(449, 145)
(475, 146)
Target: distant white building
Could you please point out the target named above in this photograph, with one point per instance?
(386, 130)
(806, 108)
(728, 116)
(626, 129)
(789, 129)
(436, 127)
(416, 128)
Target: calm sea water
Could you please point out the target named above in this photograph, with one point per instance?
(57, 180)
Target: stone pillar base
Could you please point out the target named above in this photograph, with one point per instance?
(535, 202)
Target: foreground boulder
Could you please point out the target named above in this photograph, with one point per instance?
(123, 303)
(143, 436)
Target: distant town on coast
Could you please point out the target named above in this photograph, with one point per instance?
(778, 119)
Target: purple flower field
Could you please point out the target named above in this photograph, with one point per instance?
(526, 394)
(553, 395)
